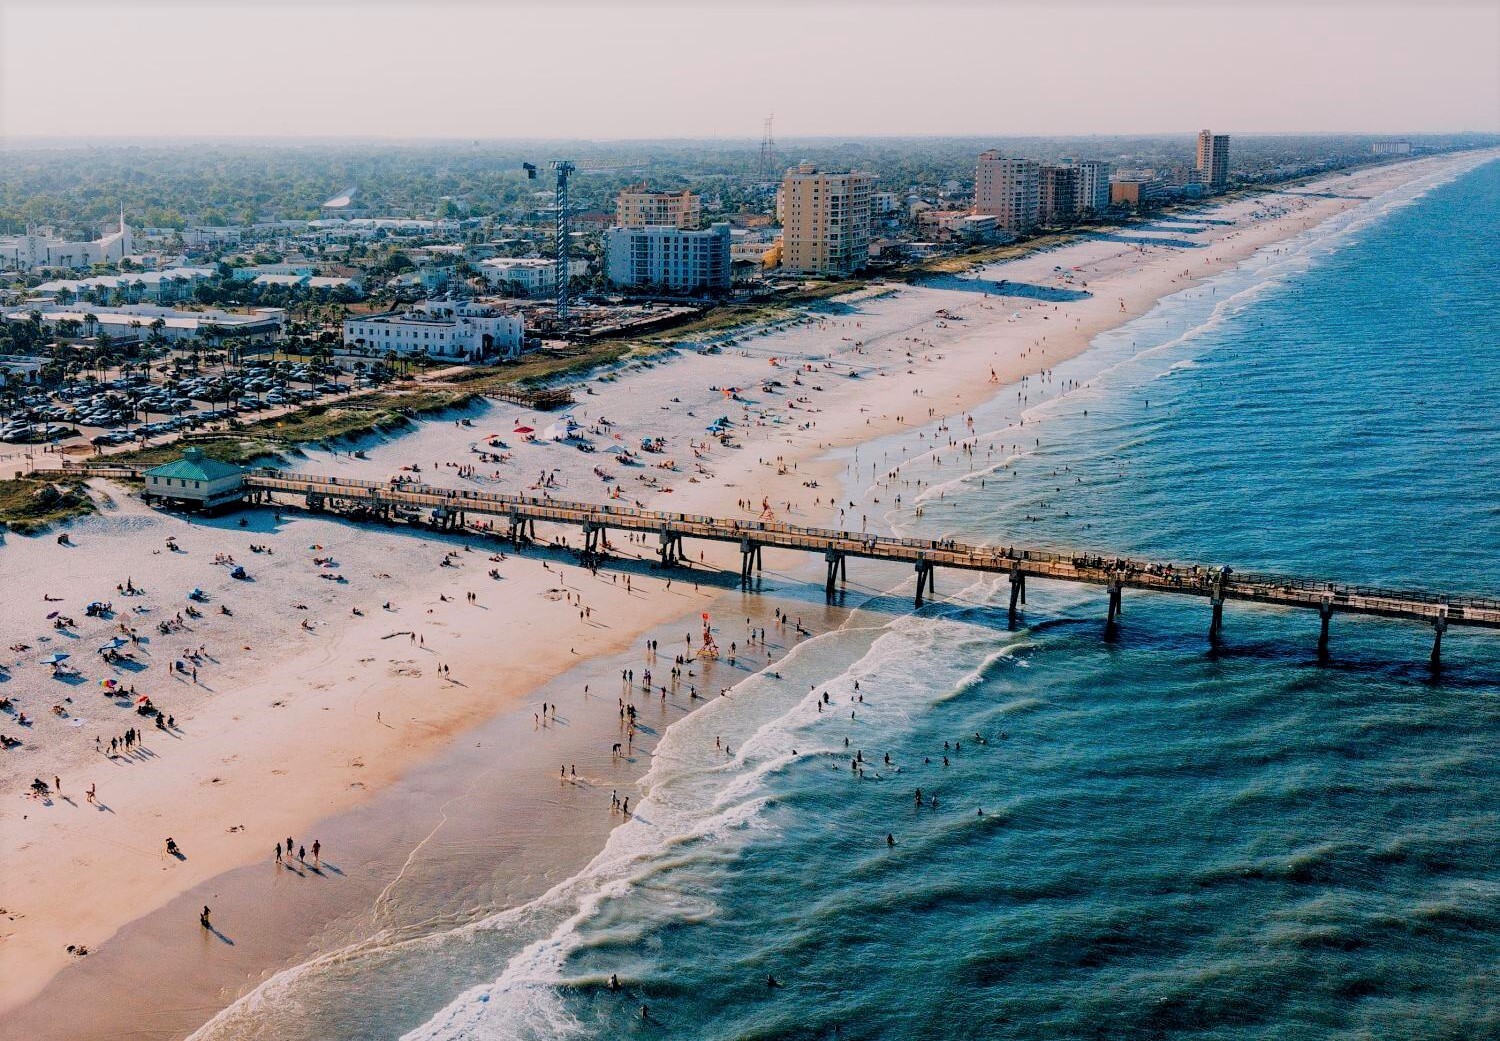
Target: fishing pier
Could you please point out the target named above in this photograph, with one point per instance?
(453, 510)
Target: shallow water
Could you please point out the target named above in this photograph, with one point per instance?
(1173, 843)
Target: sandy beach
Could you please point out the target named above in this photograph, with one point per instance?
(344, 691)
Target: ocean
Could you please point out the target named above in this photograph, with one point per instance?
(1137, 837)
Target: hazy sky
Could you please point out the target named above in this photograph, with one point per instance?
(568, 68)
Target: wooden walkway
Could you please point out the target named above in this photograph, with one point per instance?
(451, 509)
(454, 508)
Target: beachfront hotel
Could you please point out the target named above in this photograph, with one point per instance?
(825, 220)
(1213, 158)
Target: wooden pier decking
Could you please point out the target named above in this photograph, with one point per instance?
(452, 508)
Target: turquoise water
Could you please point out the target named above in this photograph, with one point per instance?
(1173, 843)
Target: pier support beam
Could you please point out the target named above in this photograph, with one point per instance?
(1017, 589)
(1216, 600)
(1325, 614)
(1439, 627)
(925, 584)
(837, 569)
(671, 548)
(749, 557)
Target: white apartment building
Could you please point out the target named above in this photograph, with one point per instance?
(1092, 184)
(669, 258)
(458, 329)
(139, 321)
(162, 287)
(534, 275)
(1009, 190)
(825, 220)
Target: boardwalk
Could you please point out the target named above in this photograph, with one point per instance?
(1217, 585)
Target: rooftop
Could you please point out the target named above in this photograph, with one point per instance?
(195, 466)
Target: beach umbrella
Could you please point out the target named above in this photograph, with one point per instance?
(615, 450)
(141, 699)
(114, 643)
(55, 658)
(109, 684)
(525, 430)
(53, 614)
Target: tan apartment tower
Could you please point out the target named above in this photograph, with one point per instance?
(1213, 158)
(1008, 190)
(825, 220)
(639, 207)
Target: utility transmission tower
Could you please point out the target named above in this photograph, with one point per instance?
(768, 151)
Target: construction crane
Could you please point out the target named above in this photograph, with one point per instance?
(563, 226)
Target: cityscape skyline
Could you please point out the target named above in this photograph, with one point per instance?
(1324, 68)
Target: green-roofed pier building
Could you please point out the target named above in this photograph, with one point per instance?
(196, 481)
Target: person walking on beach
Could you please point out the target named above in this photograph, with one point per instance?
(317, 854)
(203, 918)
(278, 853)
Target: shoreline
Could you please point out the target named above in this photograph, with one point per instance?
(948, 384)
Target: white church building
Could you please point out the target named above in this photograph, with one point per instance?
(40, 248)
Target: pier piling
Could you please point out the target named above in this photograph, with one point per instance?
(924, 580)
(1111, 621)
(837, 569)
(749, 558)
(1017, 589)
(1325, 614)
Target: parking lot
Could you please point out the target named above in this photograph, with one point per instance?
(132, 408)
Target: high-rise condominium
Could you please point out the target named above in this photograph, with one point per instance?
(1213, 158)
(825, 220)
